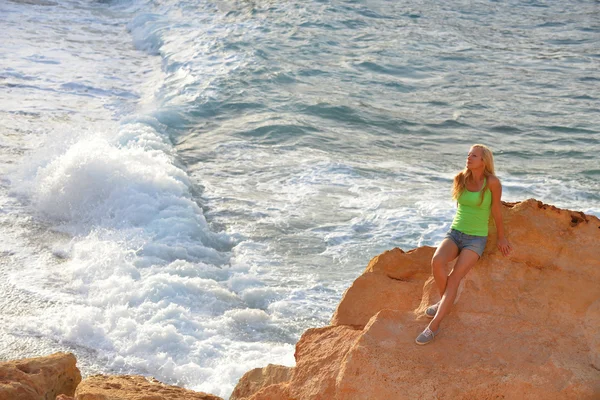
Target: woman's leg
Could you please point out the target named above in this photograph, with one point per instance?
(446, 252)
(465, 262)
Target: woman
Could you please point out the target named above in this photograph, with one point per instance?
(477, 191)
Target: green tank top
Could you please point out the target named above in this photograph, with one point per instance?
(471, 217)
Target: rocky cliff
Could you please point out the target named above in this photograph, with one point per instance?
(526, 326)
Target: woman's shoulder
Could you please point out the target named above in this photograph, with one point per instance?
(493, 181)
(493, 178)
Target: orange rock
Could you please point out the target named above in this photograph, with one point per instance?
(383, 283)
(133, 387)
(319, 354)
(279, 392)
(39, 378)
(526, 326)
(258, 378)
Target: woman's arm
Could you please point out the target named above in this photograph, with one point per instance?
(496, 189)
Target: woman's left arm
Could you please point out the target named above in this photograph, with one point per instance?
(496, 189)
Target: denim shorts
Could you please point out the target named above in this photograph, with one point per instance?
(464, 241)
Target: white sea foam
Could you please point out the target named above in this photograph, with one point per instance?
(142, 278)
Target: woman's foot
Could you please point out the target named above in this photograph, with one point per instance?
(432, 310)
(426, 336)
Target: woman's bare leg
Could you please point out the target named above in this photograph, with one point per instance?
(465, 262)
(446, 252)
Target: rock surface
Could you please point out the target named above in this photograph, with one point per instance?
(257, 378)
(42, 378)
(133, 387)
(526, 326)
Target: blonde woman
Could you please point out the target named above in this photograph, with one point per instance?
(477, 191)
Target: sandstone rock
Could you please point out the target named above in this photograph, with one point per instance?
(279, 392)
(133, 387)
(39, 378)
(383, 283)
(525, 326)
(258, 378)
(319, 355)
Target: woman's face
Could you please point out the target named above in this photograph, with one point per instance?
(474, 158)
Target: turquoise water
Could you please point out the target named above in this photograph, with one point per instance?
(187, 186)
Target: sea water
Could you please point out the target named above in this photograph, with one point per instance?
(186, 186)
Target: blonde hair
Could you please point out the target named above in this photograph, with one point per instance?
(460, 180)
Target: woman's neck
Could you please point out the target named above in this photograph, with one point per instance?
(477, 176)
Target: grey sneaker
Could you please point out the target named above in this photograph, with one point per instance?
(426, 336)
(432, 310)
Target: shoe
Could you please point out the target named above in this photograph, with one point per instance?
(432, 310)
(426, 336)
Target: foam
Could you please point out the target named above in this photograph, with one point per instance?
(141, 280)
(126, 183)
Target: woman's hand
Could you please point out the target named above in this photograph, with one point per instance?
(504, 247)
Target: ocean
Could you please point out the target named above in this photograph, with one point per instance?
(186, 186)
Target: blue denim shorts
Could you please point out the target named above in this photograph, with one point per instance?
(464, 241)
